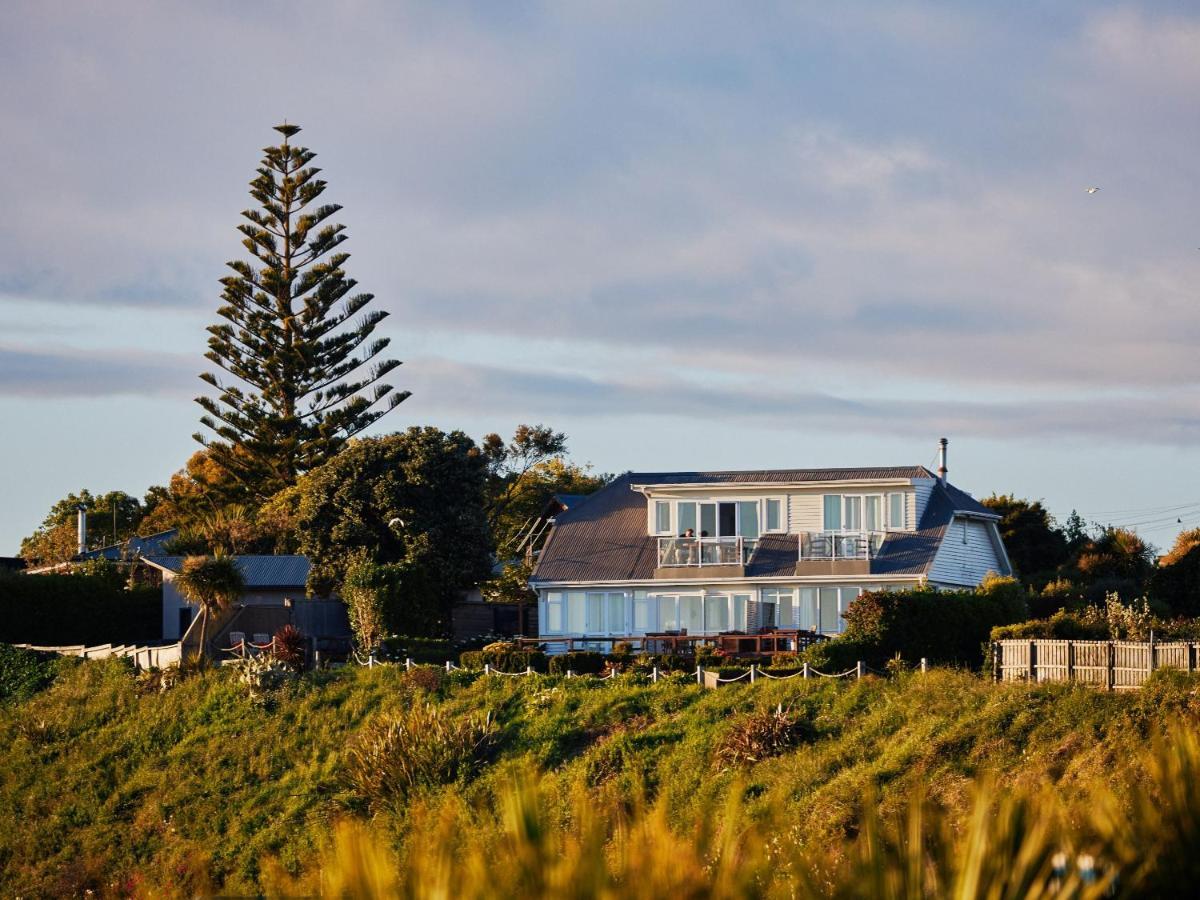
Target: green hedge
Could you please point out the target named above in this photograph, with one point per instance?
(24, 672)
(581, 662)
(77, 609)
(944, 627)
(505, 658)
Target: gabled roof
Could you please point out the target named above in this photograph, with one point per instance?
(149, 545)
(605, 539)
(258, 571)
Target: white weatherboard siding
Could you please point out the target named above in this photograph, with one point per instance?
(805, 512)
(967, 554)
(919, 499)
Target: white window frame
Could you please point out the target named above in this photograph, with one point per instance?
(654, 507)
(675, 531)
(902, 525)
(555, 605)
(844, 505)
(783, 515)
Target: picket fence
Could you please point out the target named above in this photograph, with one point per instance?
(1113, 665)
(144, 656)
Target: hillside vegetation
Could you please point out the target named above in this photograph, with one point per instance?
(362, 781)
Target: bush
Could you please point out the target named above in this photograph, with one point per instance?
(420, 747)
(941, 626)
(505, 656)
(581, 662)
(57, 610)
(425, 678)
(290, 647)
(25, 672)
(761, 735)
(262, 674)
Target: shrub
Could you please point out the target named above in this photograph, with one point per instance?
(840, 654)
(262, 674)
(505, 656)
(581, 662)
(425, 678)
(25, 672)
(942, 626)
(290, 647)
(419, 747)
(761, 735)
(77, 609)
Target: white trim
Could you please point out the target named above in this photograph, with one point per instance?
(800, 580)
(769, 486)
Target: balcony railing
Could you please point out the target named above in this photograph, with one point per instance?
(703, 551)
(816, 545)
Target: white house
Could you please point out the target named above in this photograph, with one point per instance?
(706, 553)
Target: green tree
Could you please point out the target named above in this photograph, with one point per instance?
(111, 518)
(1176, 581)
(523, 474)
(413, 499)
(212, 583)
(1115, 560)
(291, 339)
(1035, 545)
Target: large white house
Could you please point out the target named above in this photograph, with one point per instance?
(705, 553)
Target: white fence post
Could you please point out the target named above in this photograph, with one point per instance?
(924, 664)
(570, 673)
(752, 673)
(371, 660)
(529, 670)
(448, 665)
(700, 675)
(858, 669)
(654, 675)
(408, 663)
(487, 668)
(806, 671)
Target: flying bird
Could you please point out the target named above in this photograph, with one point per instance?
(1092, 190)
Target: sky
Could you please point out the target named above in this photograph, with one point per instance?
(690, 235)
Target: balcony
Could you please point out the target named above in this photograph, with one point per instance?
(840, 545)
(701, 552)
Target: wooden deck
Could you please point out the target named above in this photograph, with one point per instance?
(765, 643)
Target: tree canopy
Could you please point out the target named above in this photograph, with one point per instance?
(413, 499)
(295, 339)
(111, 518)
(1035, 545)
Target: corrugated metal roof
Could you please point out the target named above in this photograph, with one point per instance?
(149, 545)
(258, 571)
(605, 539)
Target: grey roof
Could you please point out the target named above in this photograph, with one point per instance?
(258, 571)
(148, 545)
(605, 539)
(570, 500)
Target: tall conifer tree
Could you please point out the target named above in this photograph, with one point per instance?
(307, 377)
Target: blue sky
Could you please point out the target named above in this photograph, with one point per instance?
(691, 235)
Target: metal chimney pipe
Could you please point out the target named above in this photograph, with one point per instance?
(942, 470)
(82, 512)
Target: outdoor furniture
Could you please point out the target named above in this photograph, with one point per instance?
(236, 638)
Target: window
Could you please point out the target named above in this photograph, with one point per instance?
(830, 622)
(615, 614)
(741, 603)
(873, 507)
(774, 514)
(576, 612)
(852, 513)
(716, 612)
(554, 612)
(726, 519)
(783, 600)
(686, 513)
(833, 512)
(806, 617)
(748, 516)
(896, 507)
(662, 516)
(641, 611)
(691, 614)
(708, 520)
(668, 616)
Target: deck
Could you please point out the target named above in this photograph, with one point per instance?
(730, 643)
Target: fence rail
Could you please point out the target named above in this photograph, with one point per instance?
(1113, 665)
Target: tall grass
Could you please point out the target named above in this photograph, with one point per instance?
(934, 785)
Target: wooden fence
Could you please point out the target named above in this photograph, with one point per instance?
(144, 656)
(1114, 665)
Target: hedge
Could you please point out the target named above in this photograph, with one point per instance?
(944, 627)
(505, 657)
(77, 609)
(581, 662)
(24, 672)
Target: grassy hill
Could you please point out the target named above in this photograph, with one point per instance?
(362, 781)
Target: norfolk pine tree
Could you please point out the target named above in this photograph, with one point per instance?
(288, 336)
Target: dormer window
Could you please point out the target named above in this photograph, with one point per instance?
(662, 517)
(864, 512)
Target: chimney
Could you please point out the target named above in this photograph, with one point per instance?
(942, 470)
(82, 528)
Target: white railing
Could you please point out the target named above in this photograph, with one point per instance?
(816, 545)
(703, 551)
